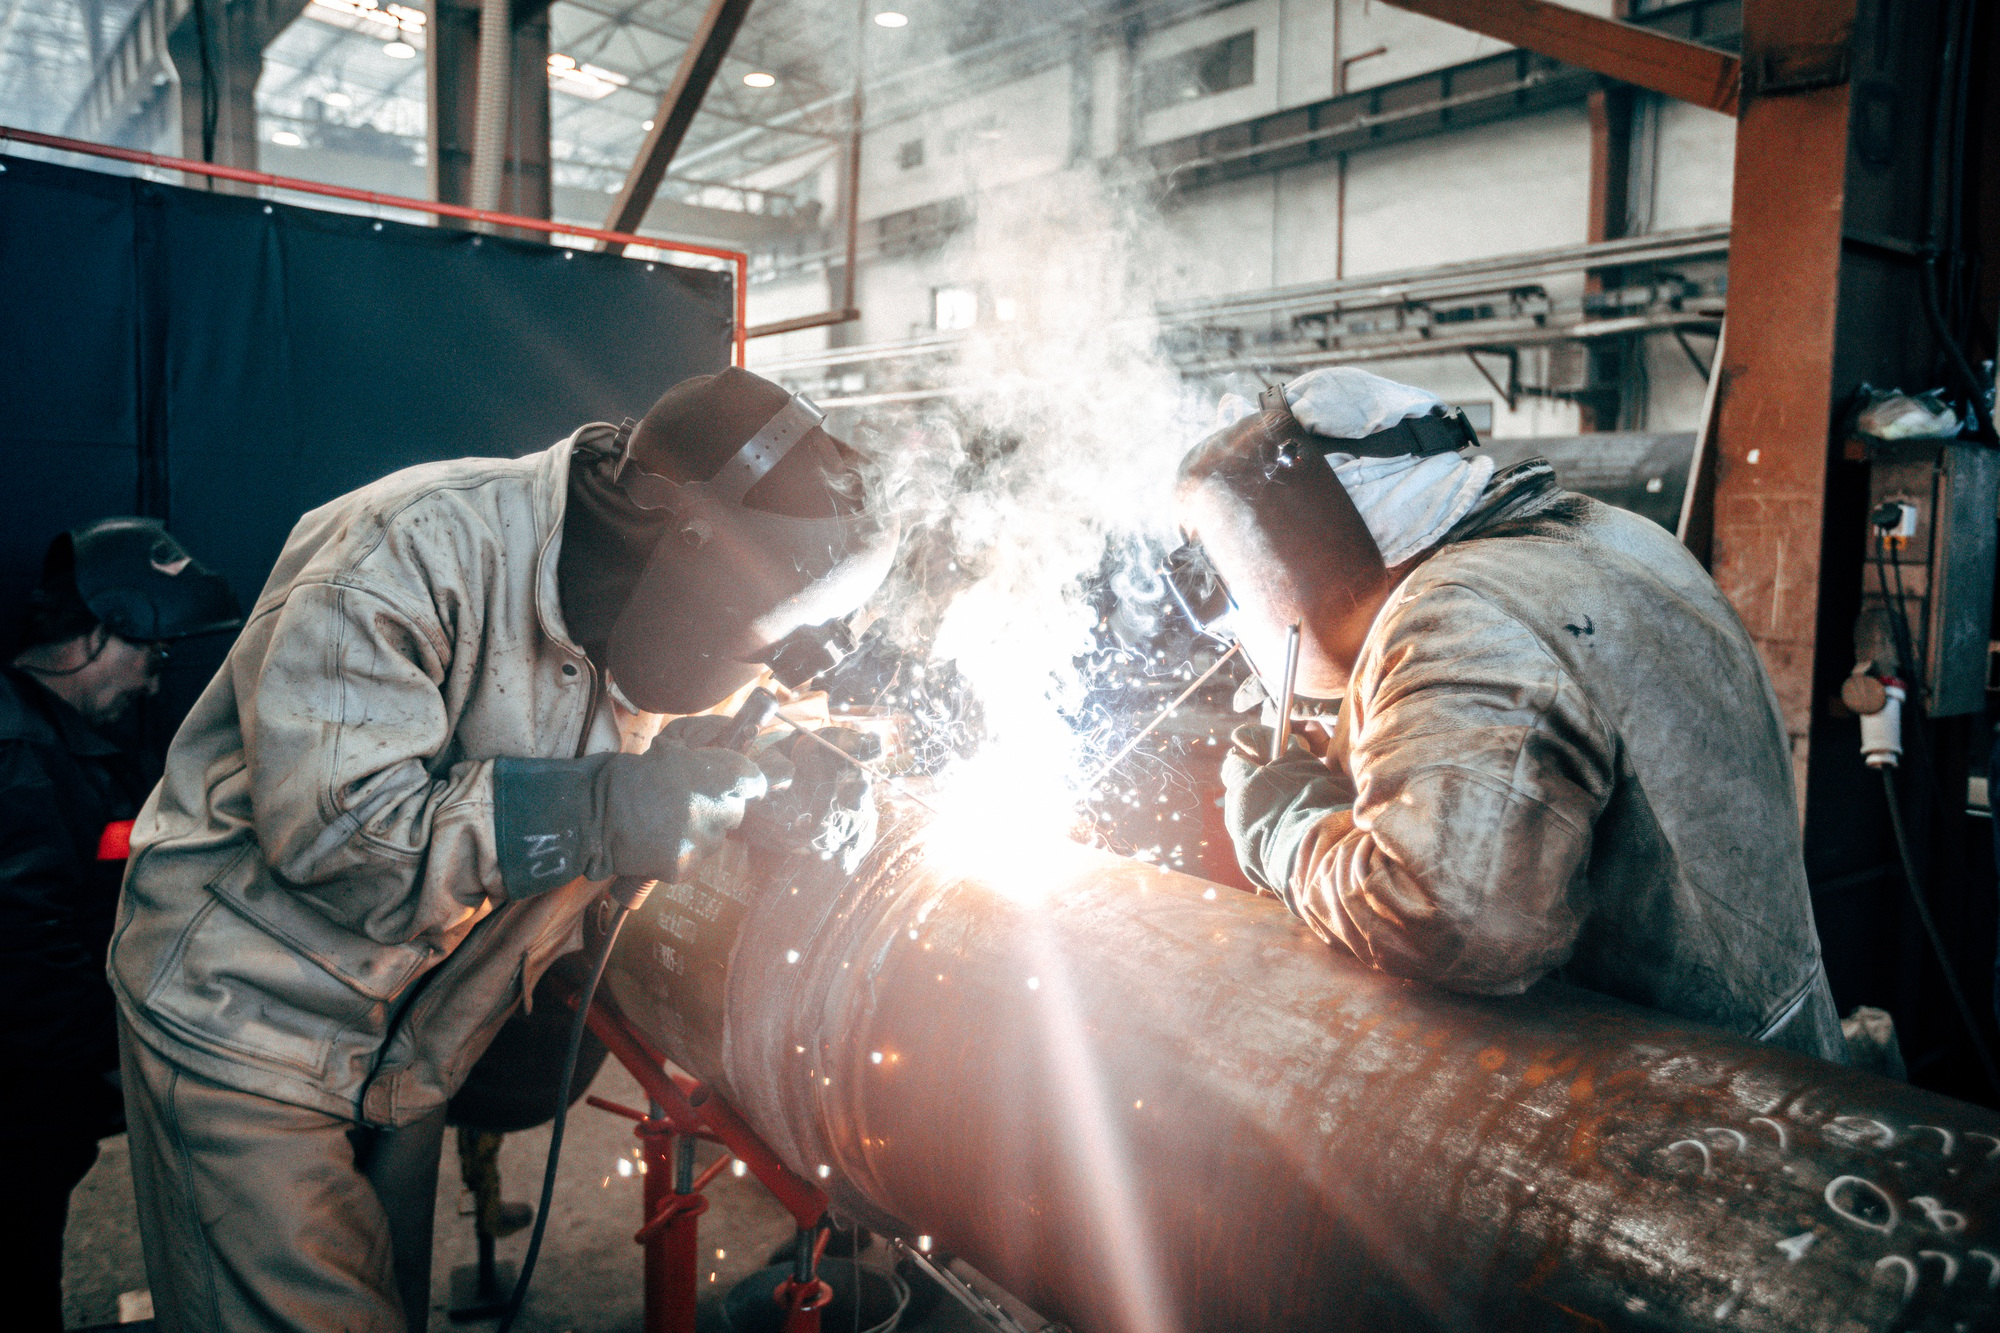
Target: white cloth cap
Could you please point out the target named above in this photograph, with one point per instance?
(1408, 502)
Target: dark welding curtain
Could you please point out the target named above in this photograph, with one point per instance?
(227, 364)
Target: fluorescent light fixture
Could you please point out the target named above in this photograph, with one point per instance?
(399, 50)
(286, 137)
(337, 99)
(759, 79)
(392, 23)
(889, 18)
(590, 82)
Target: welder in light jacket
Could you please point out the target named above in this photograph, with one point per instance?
(1556, 750)
(389, 811)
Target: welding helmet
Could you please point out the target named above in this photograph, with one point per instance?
(770, 544)
(136, 580)
(1274, 539)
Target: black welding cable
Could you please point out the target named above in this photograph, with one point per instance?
(1975, 391)
(576, 1030)
(1937, 941)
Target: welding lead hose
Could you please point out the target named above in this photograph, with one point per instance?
(490, 104)
(628, 894)
(1916, 888)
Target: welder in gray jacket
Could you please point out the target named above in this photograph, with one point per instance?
(389, 811)
(1556, 752)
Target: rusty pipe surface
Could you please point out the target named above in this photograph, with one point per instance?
(1142, 1102)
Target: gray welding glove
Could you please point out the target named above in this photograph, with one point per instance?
(649, 816)
(1269, 808)
(708, 729)
(829, 809)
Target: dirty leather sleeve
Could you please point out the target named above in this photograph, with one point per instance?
(1479, 769)
(343, 727)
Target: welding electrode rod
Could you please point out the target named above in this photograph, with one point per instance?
(876, 774)
(1283, 734)
(1104, 769)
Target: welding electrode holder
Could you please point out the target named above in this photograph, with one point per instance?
(628, 892)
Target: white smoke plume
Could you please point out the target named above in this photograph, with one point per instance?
(1056, 446)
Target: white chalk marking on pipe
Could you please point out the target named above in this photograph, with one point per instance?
(1795, 1247)
(1950, 1263)
(1939, 1216)
(1909, 1273)
(1950, 1140)
(1832, 1195)
(1698, 1146)
(1784, 1141)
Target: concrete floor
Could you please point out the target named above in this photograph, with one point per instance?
(588, 1277)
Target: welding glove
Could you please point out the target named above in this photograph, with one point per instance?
(709, 729)
(828, 810)
(1269, 808)
(649, 816)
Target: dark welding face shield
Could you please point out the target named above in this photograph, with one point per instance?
(1282, 545)
(764, 557)
(139, 581)
(1198, 590)
(1275, 540)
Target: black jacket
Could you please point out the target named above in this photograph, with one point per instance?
(61, 783)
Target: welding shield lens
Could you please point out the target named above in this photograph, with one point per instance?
(810, 651)
(1198, 589)
(727, 588)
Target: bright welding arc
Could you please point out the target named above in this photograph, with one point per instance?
(1104, 770)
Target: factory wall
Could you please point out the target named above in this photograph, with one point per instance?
(1500, 188)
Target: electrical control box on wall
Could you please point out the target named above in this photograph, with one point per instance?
(1934, 506)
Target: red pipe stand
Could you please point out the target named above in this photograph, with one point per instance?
(683, 1111)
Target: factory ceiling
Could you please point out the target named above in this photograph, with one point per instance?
(348, 76)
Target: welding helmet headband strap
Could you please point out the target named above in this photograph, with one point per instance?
(745, 468)
(1443, 430)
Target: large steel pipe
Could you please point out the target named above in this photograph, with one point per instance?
(1145, 1103)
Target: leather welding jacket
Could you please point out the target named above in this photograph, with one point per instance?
(313, 911)
(1564, 756)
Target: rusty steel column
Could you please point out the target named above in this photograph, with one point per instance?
(1775, 403)
(1142, 1102)
(1624, 51)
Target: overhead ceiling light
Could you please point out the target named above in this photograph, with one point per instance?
(399, 50)
(647, 126)
(590, 82)
(337, 99)
(287, 138)
(759, 79)
(889, 18)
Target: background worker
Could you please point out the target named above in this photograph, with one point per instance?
(112, 595)
(1557, 752)
(367, 845)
